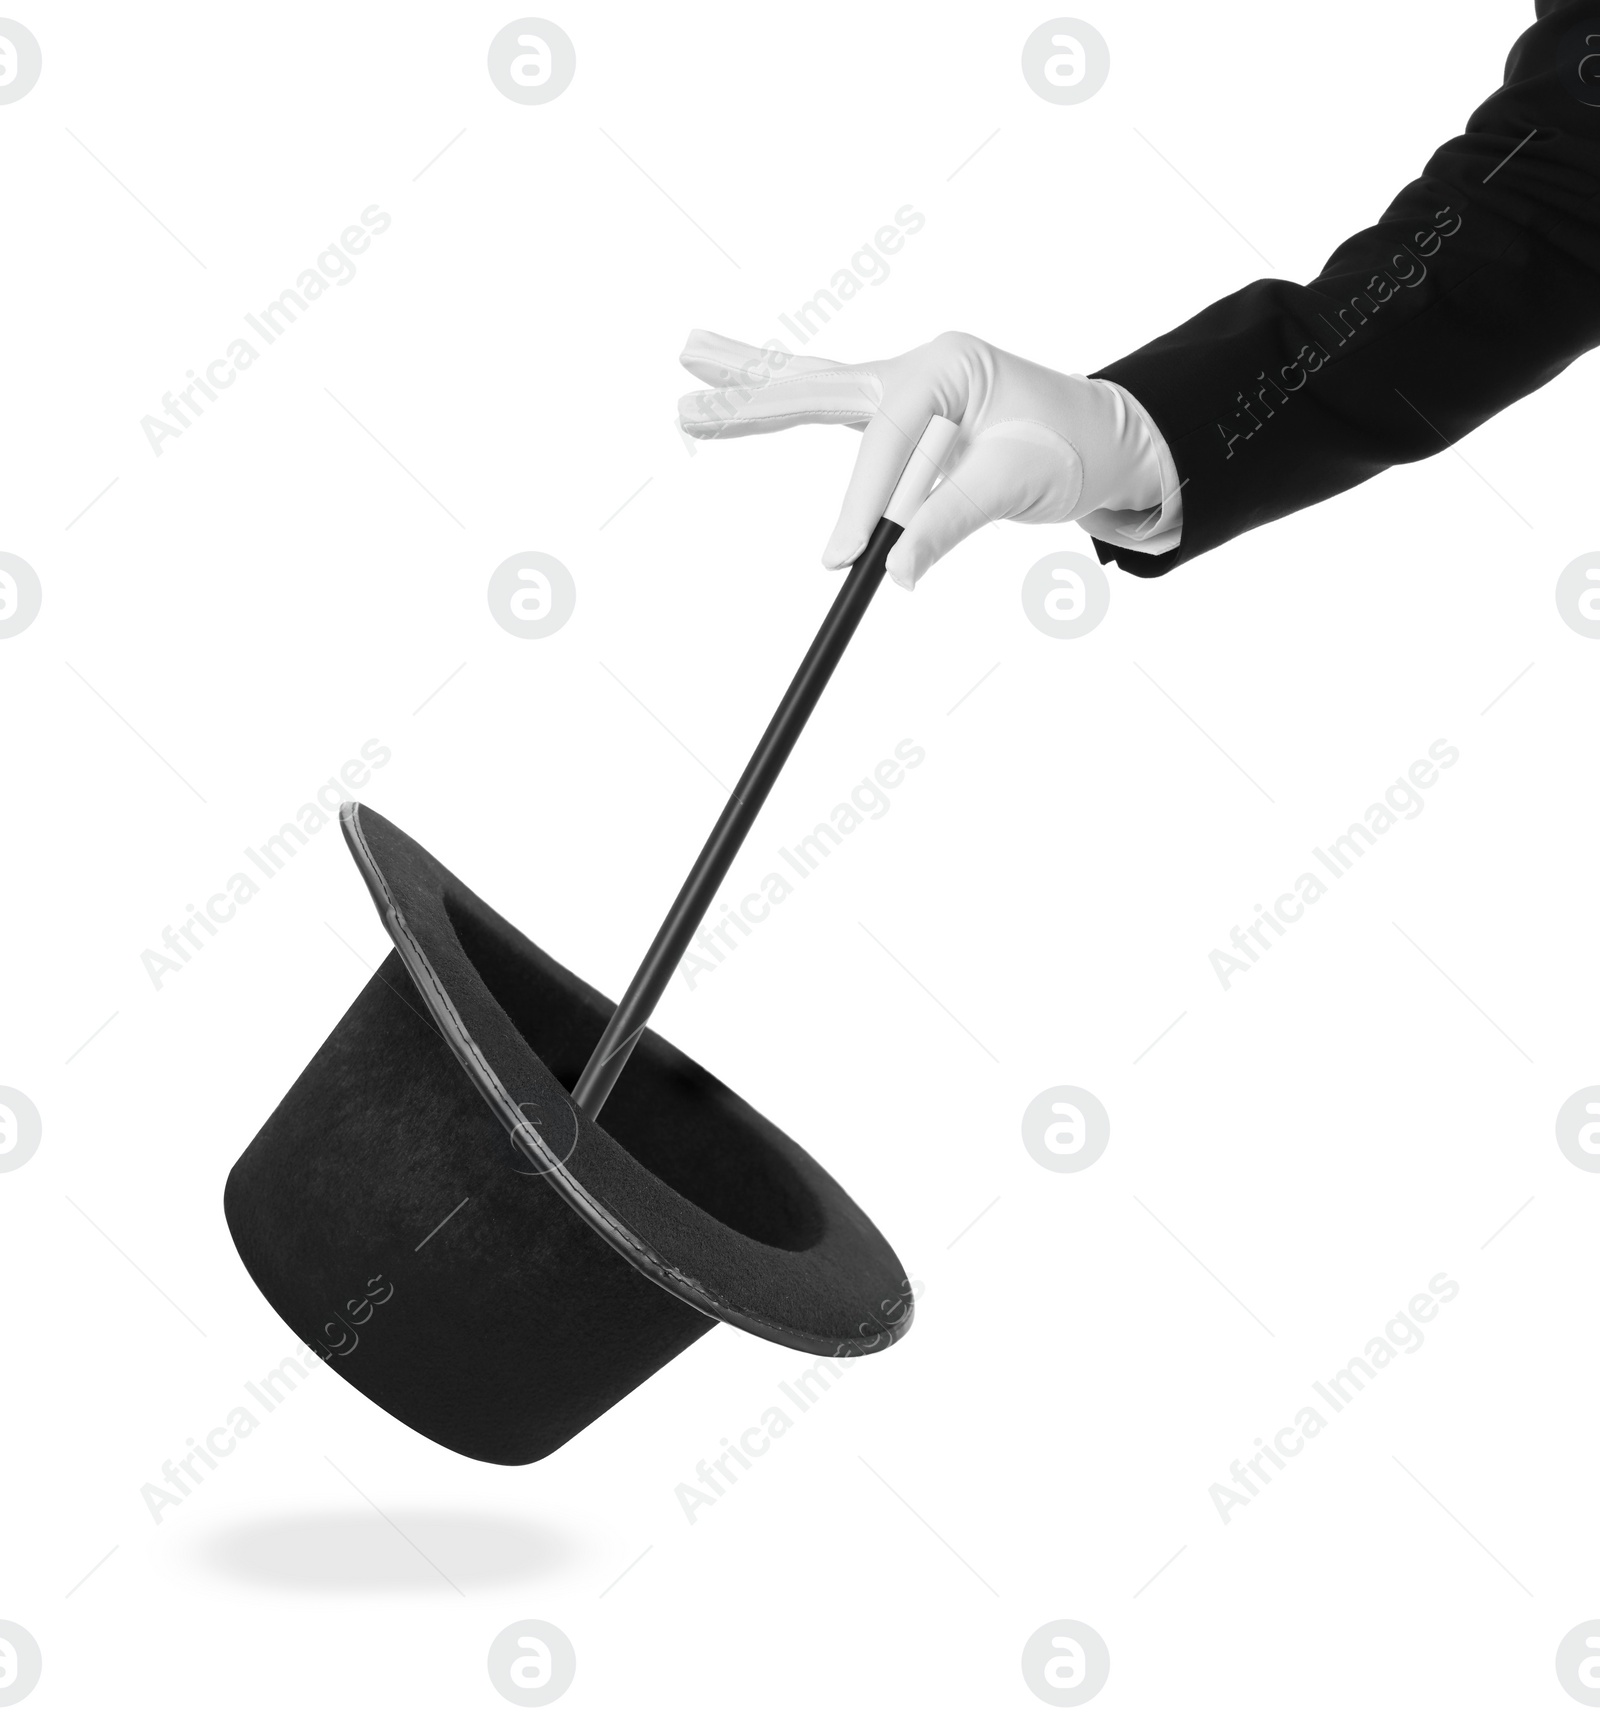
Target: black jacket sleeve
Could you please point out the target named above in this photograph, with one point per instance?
(1480, 283)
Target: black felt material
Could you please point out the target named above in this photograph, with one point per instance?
(585, 1256)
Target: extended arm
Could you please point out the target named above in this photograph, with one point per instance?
(1479, 284)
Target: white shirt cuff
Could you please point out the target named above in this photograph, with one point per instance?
(1156, 526)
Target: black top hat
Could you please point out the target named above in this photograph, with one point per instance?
(429, 1209)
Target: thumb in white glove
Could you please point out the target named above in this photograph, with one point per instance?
(1034, 445)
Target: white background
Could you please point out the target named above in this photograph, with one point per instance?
(1288, 1165)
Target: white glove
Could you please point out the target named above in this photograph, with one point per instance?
(1034, 445)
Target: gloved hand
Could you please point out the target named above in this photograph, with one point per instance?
(1034, 445)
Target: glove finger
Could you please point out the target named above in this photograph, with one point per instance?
(846, 396)
(886, 445)
(722, 361)
(765, 389)
(1009, 473)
